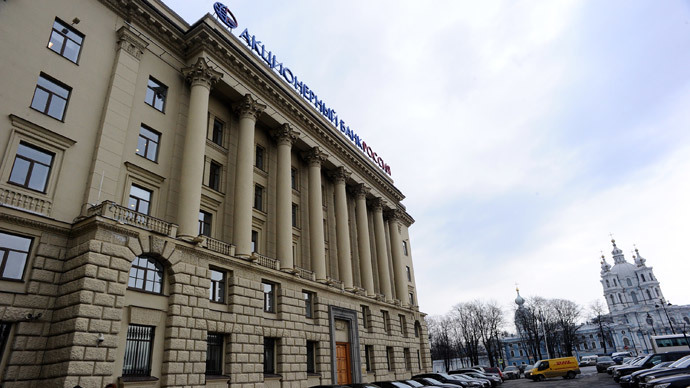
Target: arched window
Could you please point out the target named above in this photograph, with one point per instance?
(146, 274)
(615, 283)
(613, 301)
(620, 297)
(607, 283)
(626, 341)
(649, 294)
(634, 297)
(642, 275)
(512, 353)
(657, 291)
(629, 282)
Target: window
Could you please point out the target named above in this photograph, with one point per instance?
(294, 215)
(649, 295)
(255, 241)
(156, 93)
(50, 97)
(411, 297)
(369, 357)
(204, 223)
(65, 41)
(217, 290)
(14, 253)
(386, 322)
(311, 359)
(389, 357)
(258, 197)
(417, 329)
(260, 153)
(31, 167)
(217, 134)
(612, 300)
(408, 359)
(146, 274)
(214, 176)
(138, 351)
(147, 146)
(657, 291)
(139, 199)
(642, 275)
(308, 304)
(419, 359)
(214, 354)
(615, 283)
(634, 297)
(4, 336)
(269, 356)
(293, 178)
(366, 317)
(404, 244)
(409, 273)
(403, 325)
(629, 282)
(269, 297)
(607, 283)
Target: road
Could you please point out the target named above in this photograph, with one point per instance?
(589, 378)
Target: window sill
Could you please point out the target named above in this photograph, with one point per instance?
(312, 374)
(137, 381)
(272, 376)
(217, 377)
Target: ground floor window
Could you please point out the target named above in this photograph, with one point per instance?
(389, 357)
(4, 336)
(311, 356)
(369, 357)
(214, 354)
(138, 351)
(269, 356)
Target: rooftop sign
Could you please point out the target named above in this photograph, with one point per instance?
(301, 87)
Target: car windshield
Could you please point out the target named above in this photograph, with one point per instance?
(399, 384)
(414, 383)
(604, 358)
(433, 381)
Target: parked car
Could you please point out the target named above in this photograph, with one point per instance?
(442, 378)
(391, 384)
(675, 381)
(474, 382)
(588, 360)
(494, 370)
(619, 356)
(431, 382)
(681, 366)
(511, 372)
(630, 361)
(648, 362)
(493, 379)
(632, 379)
(527, 371)
(565, 367)
(604, 362)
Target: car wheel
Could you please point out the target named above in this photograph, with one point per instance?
(541, 378)
(571, 375)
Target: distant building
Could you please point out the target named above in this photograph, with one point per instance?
(637, 310)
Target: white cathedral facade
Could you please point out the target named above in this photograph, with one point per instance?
(637, 311)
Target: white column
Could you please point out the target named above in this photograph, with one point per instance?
(342, 228)
(394, 218)
(363, 243)
(285, 136)
(314, 158)
(201, 77)
(248, 110)
(381, 251)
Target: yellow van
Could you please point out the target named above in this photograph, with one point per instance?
(565, 367)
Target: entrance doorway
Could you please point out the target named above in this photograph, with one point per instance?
(342, 353)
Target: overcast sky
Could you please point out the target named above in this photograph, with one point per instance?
(521, 133)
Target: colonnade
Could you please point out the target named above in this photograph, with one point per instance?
(202, 78)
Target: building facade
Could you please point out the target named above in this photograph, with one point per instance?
(173, 213)
(637, 311)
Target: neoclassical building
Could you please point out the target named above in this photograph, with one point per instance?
(637, 310)
(176, 211)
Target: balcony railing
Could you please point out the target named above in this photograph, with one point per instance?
(266, 261)
(334, 283)
(126, 216)
(220, 246)
(19, 200)
(305, 274)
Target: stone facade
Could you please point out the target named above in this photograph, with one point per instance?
(68, 314)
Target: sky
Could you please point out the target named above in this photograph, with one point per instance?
(522, 133)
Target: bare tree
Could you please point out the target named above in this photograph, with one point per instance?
(598, 316)
(567, 315)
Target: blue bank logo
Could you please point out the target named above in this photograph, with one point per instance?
(225, 15)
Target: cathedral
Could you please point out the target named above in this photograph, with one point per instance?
(637, 311)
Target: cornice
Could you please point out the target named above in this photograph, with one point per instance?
(33, 223)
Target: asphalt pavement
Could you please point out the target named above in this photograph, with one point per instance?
(589, 378)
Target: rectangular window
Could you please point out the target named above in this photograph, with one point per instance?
(31, 167)
(255, 241)
(308, 304)
(411, 296)
(408, 360)
(369, 357)
(294, 215)
(217, 135)
(409, 273)
(260, 154)
(204, 223)
(217, 290)
(389, 357)
(365, 317)
(4, 336)
(50, 97)
(293, 178)
(419, 359)
(214, 175)
(139, 199)
(138, 351)
(147, 146)
(156, 93)
(403, 325)
(14, 253)
(269, 296)
(258, 197)
(386, 322)
(404, 243)
(269, 356)
(311, 359)
(214, 354)
(65, 40)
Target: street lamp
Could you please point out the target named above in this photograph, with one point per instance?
(663, 305)
(650, 322)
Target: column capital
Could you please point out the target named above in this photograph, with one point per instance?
(360, 190)
(314, 156)
(201, 73)
(393, 215)
(130, 42)
(249, 107)
(339, 175)
(378, 204)
(285, 134)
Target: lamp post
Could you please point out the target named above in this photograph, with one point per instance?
(543, 328)
(650, 322)
(687, 342)
(663, 305)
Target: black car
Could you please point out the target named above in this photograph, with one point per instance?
(648, 362)
(430, 381)
(632, 380)
(681, 366)
(675, 381)
(604, 362)
(391, 384)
